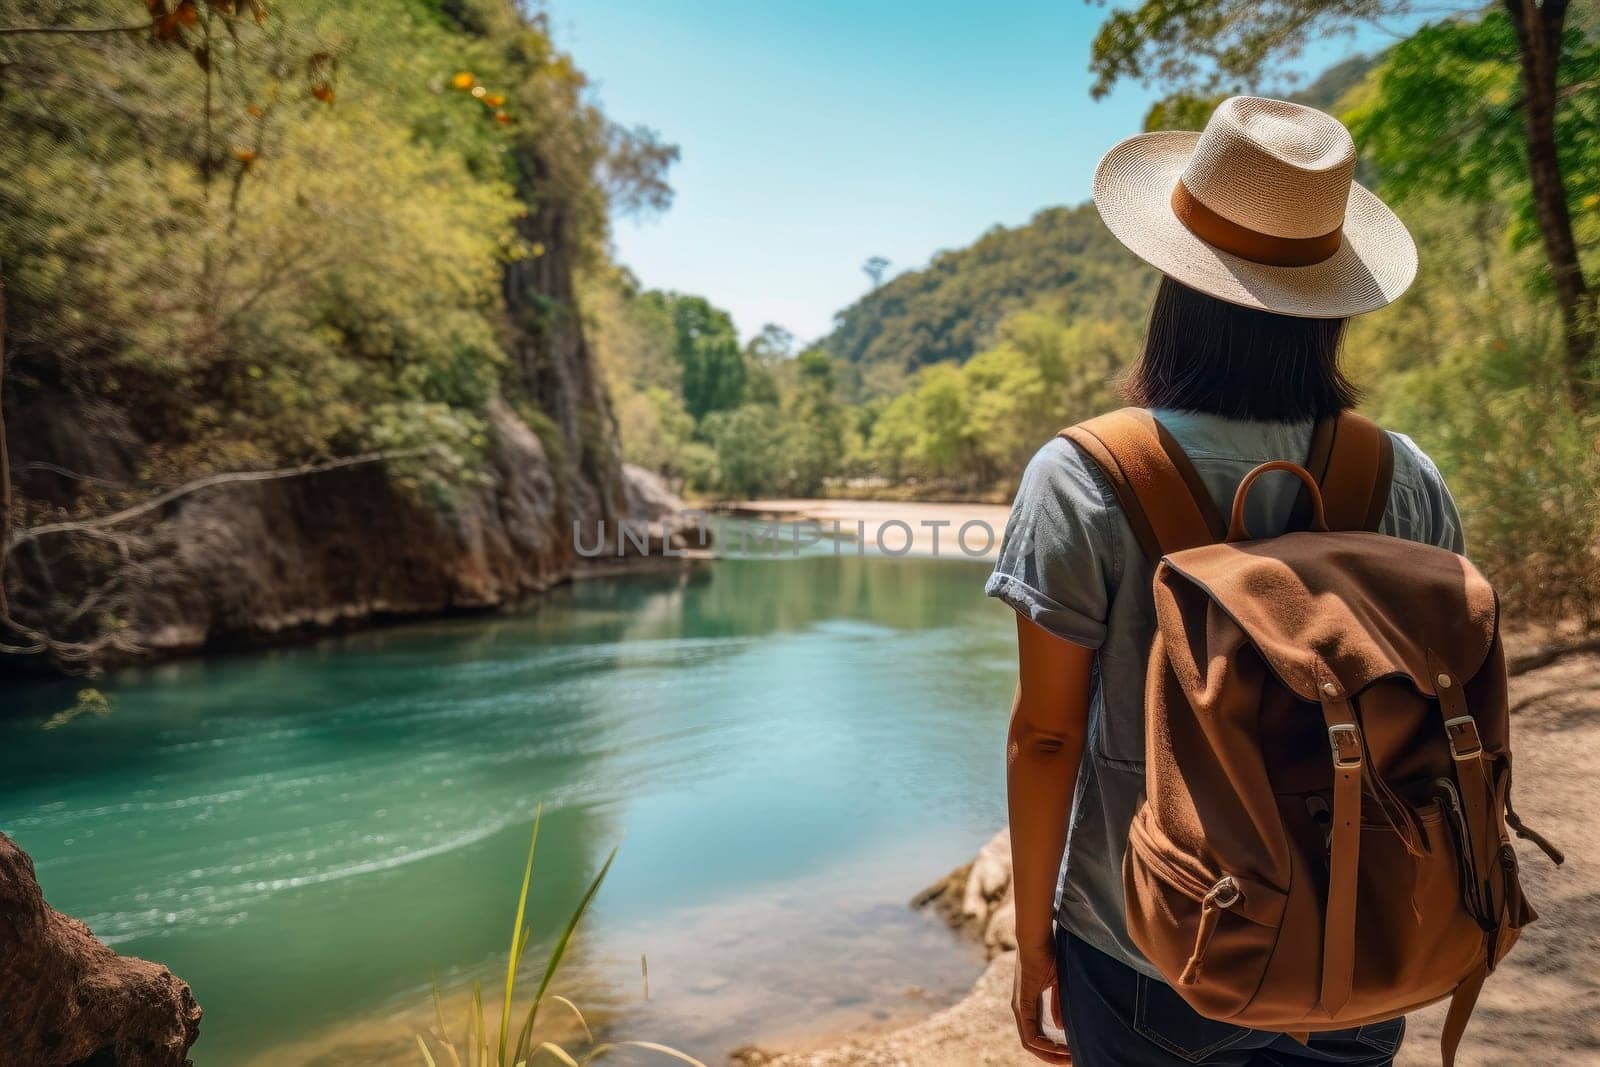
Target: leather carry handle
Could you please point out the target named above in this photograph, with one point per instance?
(1237, 531)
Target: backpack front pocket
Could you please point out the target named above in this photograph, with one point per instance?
(1408, 955)
(1196, 922)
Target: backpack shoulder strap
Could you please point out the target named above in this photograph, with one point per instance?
(1352, 460)
(1160, 492)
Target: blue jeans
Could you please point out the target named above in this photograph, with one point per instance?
(1117, 1017)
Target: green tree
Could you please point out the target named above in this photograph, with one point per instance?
(815, 425)
(772, 345)
(659, 430)
(945, 435)
(874, 268)
(1204, 46)
(1044, 374)
(706, 347)
(1442, 114)
(749, 442)
(893, 435)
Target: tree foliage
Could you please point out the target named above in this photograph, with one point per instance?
(1443, 113)
(709, 415)
(1189, 109)
(249, 238)
(258, 270)
(1221, 45)
(706, 347)
(975, 426)
(1470, 365)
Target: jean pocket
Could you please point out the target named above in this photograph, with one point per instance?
(1161, 1016)
(1384, 1036)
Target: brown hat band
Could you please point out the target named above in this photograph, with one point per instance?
(1250, 244)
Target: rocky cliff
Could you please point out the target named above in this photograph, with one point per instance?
(244, 562)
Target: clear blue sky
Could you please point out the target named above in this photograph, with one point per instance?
(816, 134)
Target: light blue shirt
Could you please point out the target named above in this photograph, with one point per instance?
(1070, 562)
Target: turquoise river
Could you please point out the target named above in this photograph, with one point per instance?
(785, 750)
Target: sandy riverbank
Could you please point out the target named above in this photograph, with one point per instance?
(892, 528)
(1543, 1001)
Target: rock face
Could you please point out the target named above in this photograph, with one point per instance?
(66, 1000)
(244, 563)
(977, 897)
(647, 494)
(667, 524)
(239, 564)
(346, 548)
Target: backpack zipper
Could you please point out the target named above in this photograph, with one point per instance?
(1222, 896)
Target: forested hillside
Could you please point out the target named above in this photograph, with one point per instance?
(951, 309)
(297, 285)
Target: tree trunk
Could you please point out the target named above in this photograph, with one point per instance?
(1539, 28)
(5, 456)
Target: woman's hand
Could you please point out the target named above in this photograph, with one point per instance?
(1036, 972)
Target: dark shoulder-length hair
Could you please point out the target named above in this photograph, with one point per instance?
(1204, 354)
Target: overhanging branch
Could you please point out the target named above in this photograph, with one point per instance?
(17, 31)
(161, 500)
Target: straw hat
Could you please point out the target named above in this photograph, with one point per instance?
(1259, 209)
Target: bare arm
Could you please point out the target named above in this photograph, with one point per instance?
(1049, 726)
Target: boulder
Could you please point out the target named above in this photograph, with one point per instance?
(976, 897)
(66, 1000)
(650, 500)
(647, 493)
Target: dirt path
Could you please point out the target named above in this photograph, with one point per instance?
(1541, 1006)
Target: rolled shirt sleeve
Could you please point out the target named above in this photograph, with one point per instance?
(1059, 562)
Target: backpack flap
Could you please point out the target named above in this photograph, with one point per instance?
(1348, 607)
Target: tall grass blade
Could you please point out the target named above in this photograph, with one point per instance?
(600, 1050)
(682, 1057)
(588, 1035)
(559, 1053)
(479, 1039)
(444, 1031)
(560, 951)
(518, 939)
(423, 1045)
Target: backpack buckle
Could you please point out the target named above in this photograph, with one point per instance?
(1345, 740)
(1463, 728)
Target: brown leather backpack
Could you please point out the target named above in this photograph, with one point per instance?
(1322, 841)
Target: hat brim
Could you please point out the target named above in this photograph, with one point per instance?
(1375, 263)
